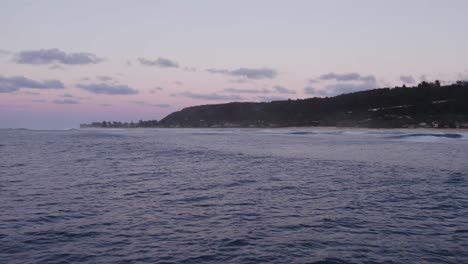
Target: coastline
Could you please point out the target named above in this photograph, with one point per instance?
(283, 128)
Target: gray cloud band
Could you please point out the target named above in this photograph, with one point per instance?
(109, 89)
(55, 56)
(13, 84)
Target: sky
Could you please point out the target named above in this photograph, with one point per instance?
(63, 63)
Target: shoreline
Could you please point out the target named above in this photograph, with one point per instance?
(282, 128)
(245, 128)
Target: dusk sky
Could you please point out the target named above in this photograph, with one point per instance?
(63, 63)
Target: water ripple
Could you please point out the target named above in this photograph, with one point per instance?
(232, 196)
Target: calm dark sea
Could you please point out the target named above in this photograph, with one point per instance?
(233, 196)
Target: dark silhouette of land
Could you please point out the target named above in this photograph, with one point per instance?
(426, 105)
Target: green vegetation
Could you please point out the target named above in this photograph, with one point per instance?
(426, 105)
(104, 124)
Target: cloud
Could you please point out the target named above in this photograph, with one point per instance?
(56, 56)
(313, 81)
(210, 96)
(315, 91)
(346, 83)
(56, 67)
(67, 95)
(104, 78)
(247, 91)
(249, 73)
(261, 73)
(407, 79)
(162, 105)
(178, 83)
(190, 69)
(341, 88)
(385, 83)
(109, 89)
(65, 101)
(155, 89)
(217, 71)
(283, 90)
(31, 93)
(13, 84)
(310, 90)
(271, 98)
(347, 77)
(159, 62)
(143, 103)
(39, 101)
(240, 80)
(340, 77)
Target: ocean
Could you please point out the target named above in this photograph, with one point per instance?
(234, 196)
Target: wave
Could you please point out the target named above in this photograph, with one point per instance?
(389, 134)
(301, 132)
(433, 135)
(15, 129)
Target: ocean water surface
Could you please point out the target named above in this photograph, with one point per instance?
(234, 196)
